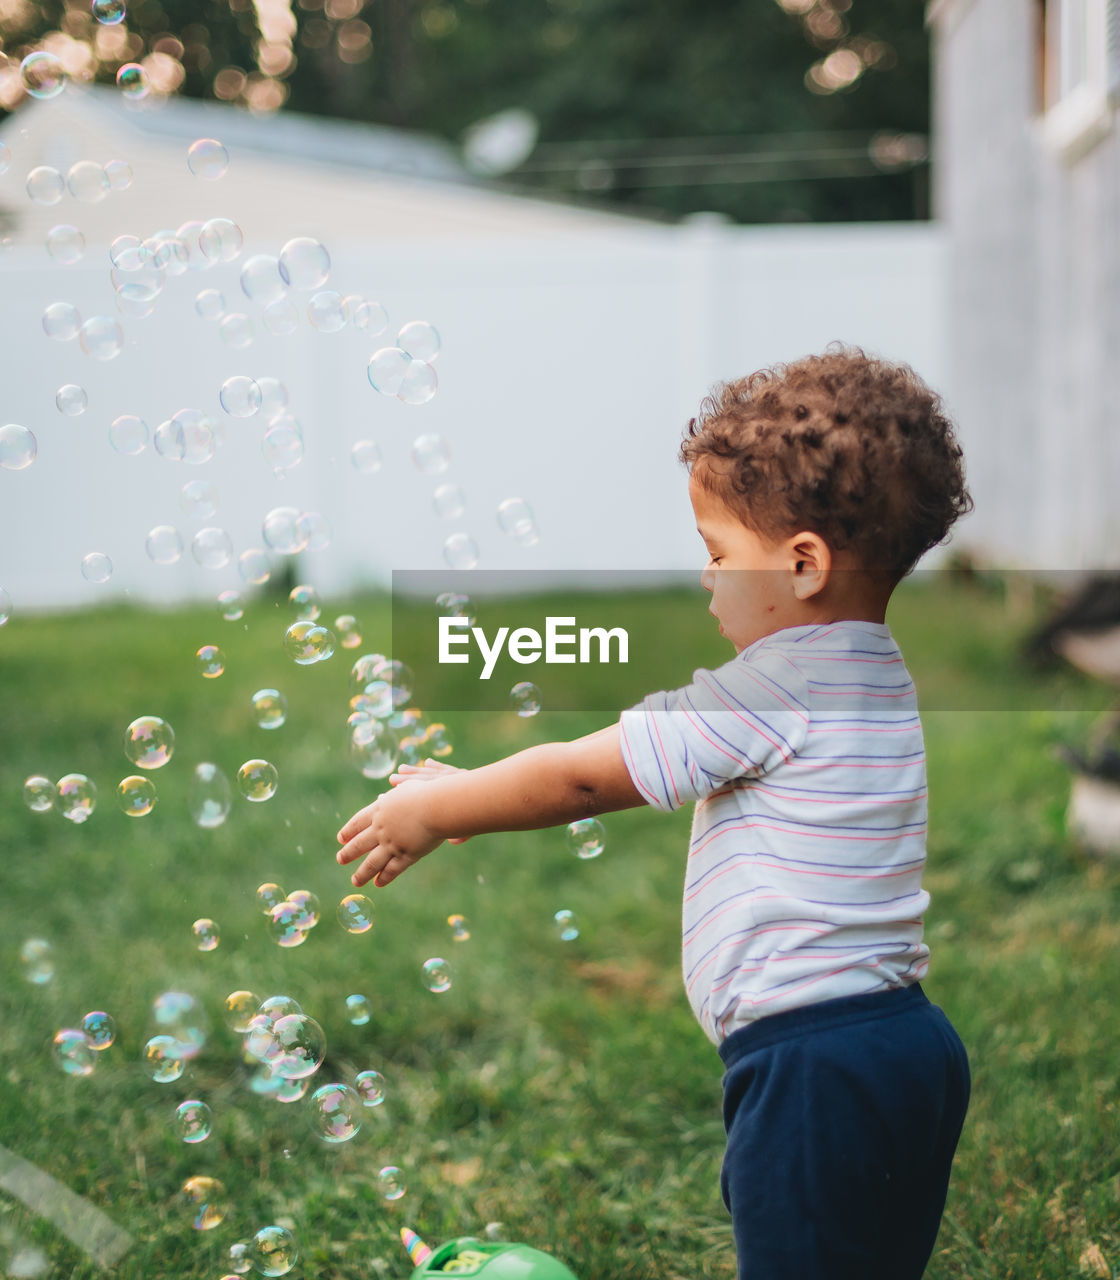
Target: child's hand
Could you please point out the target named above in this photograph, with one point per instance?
(390, 834)
(425, 771)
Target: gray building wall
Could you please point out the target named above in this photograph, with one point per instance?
(1034, 297)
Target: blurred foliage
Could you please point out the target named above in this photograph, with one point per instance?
(775, 110)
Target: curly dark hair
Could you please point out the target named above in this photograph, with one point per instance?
(848, 446)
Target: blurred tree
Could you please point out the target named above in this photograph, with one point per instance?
(765, 110)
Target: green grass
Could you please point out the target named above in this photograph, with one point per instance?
(560, 1089)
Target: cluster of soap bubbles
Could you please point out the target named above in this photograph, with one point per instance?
(290, 917)
(87, 182)
(76, 1048)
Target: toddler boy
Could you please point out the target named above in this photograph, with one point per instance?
(816, 486)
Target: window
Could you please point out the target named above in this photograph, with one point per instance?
(1080, 70)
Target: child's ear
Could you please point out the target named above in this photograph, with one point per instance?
(811, 563)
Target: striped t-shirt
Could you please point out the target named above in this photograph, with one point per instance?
(805, 757)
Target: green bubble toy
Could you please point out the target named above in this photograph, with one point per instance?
(467, 1256)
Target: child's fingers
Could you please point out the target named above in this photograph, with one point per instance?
(358, 846)
(357, 823)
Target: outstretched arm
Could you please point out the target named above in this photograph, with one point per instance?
(539, 787)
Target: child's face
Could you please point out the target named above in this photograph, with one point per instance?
(748, 576)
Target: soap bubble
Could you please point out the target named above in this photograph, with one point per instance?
(304, 263)
(287, 923)
(437, 974)
(449, 501)
(460, 551)
(87, 182)
(207, 1200)
(301, 1046)
(374, 749)
(305, 603)
(96, 567)
(181, 1016)
(257, 780)
(149, 742)
(101, 337)
(119, 173)
(207, 159)
(261, 281)
(128, 253)
(193, 1120)
(270, 708)
(459, 930)
(42, 74)
(274, 1251)
(71, 400)
(585, 837)
(220, 240)
(335, 1112)
(137, 281)
(45, 185)
(133, 81)
(239, 1259)
(515, 517)
(188, 436)
(99, 1029)
(230, 606)
(240, 396)
(77, 797)
(39, 793)
(136, 796)
(280, 531)
(566, 926)
(282, 445)
(370, 1087)
(358, 1010)
(419, 384)
(306, 642)
(347, 629)
(308, 903)
(65, 244)
(210, 304)
(274, 397)
(391, 1181)
(454, 604)
(420, 340)
(210, 798)
(212, 548)
(438, 740)
(281, 317)
(431, 454)
(386, 370)
(239, 1009)
(366, 457)
(371, 317)
(128, 434)
(327, 311)
(162, 1059)
(270, 895)
(18, 447)
(72, 1052)
(253, 566)
(163, 544)
(198, 498)
(5, 606)
(236, 330)
(207, 935)
(355, 913)
(36, 960)
(61, 321)
(109, 12)
(525, 699)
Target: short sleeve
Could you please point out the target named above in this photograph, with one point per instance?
(741, 720)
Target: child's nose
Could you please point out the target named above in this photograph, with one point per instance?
(707, 579)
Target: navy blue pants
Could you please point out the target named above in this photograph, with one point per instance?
(842, 1119)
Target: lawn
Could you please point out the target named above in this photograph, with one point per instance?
(558, 1092)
